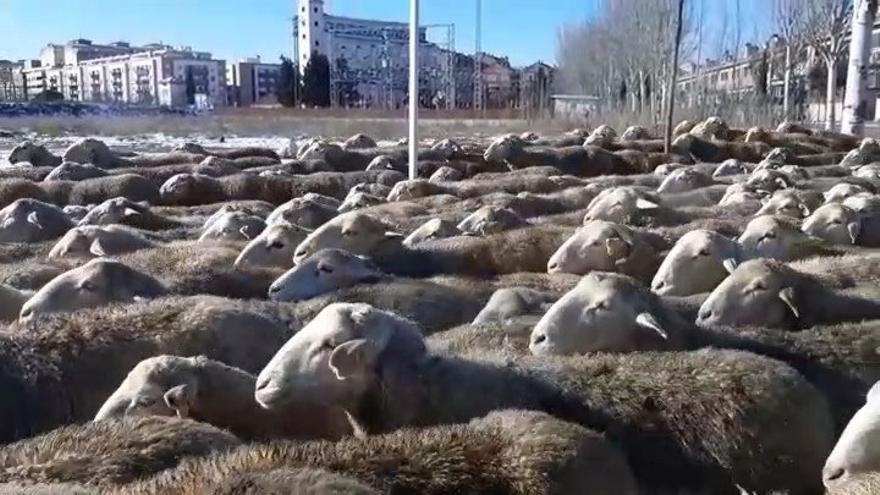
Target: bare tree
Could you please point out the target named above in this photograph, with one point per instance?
(670, 106)
(824, 24)
(855, 102)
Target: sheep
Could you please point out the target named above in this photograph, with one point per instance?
(684, 179)
(359, 200)
(193, 267)
(85, 192)
(305, 481)
(683, 127)
(509, 451)
(60, 368)
(273, 247)
(75, 171)
(110, 452)
(30, 220)
(766, 293)
(526, 249)
(436, 228)
(863, 203)
(33, 153)
(512, 302)
(231, 154)
(620, 205)
(840, 192)
(634, 132)
(446, 174)
(697, 263)
(96, 283)
(233, 226)
(786, 202)
(585, 161)
(93, 151)
(717, 152)
(359, 141)
(373, 189)
(854, 454)
(373, 356)
(127, 212)
(324, 271)
(307, 213)
(490, 220)
(605, 246)
(833, 223)
(867, 152)
(711, 128)
(212, 392)
(866, 483)
(598, 302)
(11, 301)
(779, 237)
(95, 241)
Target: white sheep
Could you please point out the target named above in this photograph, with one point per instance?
(273, 247)
(325, 271)
(697, 263)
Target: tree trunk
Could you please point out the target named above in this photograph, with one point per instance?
(673, 74)
(831, 63)
(855, 104)
(643, 93)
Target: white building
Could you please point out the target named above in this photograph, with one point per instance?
(369, 58)
(149, 75)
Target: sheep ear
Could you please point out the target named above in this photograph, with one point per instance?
(243, 231)
(644, 204)
(647, 320)
(352, 358)
(33, 219)
(180, 398)
(616, 248)
(781, 183)
(874, 393)
(805, 210)
(130, 212)
(853, 228)
(393, 235)
(787, 296)
(730, 264)
(97, 249)
(6, 223)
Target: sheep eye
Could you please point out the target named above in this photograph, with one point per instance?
(276, 245)
(328, 345)
(325, 268)
(349, 232)
(835, 222)
(87, 286)
(145, 401)
(770, 235)
(703, 252)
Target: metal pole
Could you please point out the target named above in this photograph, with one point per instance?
(413, 86)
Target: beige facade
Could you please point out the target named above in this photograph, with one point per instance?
(252, 82)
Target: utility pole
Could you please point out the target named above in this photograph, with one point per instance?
(413, 87)
(478, 62)
(787, 80)
(855, 104)
(673, 75)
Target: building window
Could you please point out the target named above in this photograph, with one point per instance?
(316, 23)
(304, 35)
(317, 43)
(316, 10)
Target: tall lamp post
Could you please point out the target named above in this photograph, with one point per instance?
(413, 87)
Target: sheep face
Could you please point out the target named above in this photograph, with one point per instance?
(28, 220)
(333, 360)
(500, 150)
(767, 236)
(834, 223)
(325, 271)
(113, 211)
(179, 187)
(603, 135)
(90, 151)
(76, 212)
(863, 203)
(273, 247)
(597, 246)
(489, 220)
(605, 312)
(785, 202)
(858, 448)
(74, 171)
(635, 132)
(697, 263)
(358, 142)
(758, 293)
(683, 180)
(741, 199)
(436, 228)
(411, 189)
(97, 283)
(446, 174)
(731, 167)
(511, 302)
(233, 226)
(870, 171)
(768, 180)
(618, 205)
(447, 148)
(309, 214)
(95, 241)
(381, 162)
(840, 192)
(358, 201)
(36, 154)
(158, 386)
(355, 232)
(757, 134)
(369, 188)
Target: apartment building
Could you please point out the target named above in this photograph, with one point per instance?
(252, 82)
(153, 74)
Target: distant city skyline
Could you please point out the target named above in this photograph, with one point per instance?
(525, 31)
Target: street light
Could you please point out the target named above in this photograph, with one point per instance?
(413, 86)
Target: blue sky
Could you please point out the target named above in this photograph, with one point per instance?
(524, 30)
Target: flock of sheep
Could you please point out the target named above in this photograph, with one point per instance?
(582, 313)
